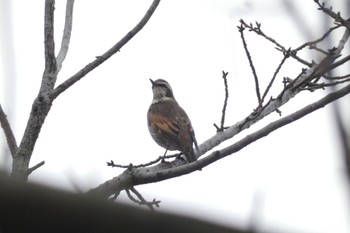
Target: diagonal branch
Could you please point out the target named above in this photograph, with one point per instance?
(100, 59)
(11, 140)
(67, 31)
(257, 88)
(311, 43)
(336, 16)
(130, 178)
(286, 55)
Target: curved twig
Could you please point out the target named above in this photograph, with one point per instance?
(141, 200)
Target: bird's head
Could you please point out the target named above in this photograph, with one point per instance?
(161, 90)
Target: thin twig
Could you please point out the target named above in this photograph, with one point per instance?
(257, 89)
(100, 59)
(322, 51)
(160, 158)
(336, 16)
(257, 30)
(67, 31)
(142, 200)
(30, 170)
(336, 77)
(311, 43)
(339, 63)
(279, 47)
(316, 86)
(222, 127)
(286, 55)
(11, 140)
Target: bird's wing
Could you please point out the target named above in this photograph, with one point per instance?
(170, 128)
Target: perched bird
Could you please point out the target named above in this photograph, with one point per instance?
(168, 123)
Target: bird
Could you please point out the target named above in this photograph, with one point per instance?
(168, 123)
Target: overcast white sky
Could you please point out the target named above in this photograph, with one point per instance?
(293, 179)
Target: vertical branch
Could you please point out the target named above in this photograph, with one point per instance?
(50, 72)
(42, 104)
(67, 31)
(241, 29)
(222, 127)
(11, 140)
(224, 76)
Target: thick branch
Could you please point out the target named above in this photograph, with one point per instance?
(49, 76)
(47, 93)
(163, 171)
(100, 59)
(42, 104)
(132, 177)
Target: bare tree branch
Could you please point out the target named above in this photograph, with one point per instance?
(279, 47)
(11, 140)
(337, 77)
(67, 31)
(30, 170)
(100, 59)
(50, 72)
(141, 200)
(160, 158)
(256, 80)
(336, 16)
(42, 104)
(131, 177)
(223, 114)
(286, 55)
(311, 43)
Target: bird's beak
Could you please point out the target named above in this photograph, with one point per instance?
(152, 82)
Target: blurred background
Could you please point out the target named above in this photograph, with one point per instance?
(294, 180)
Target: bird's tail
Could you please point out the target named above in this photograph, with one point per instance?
(190, 155)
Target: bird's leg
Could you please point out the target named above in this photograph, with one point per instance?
(166, 150)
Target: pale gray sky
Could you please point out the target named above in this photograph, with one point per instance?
(295, 175)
